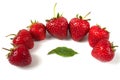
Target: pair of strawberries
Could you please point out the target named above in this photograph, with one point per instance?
(98, 39)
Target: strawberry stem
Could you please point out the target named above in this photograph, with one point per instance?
(54, 10)
(86, 14)
(11, 35)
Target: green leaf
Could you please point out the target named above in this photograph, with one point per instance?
(63, 51)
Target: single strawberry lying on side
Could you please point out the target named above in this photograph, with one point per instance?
(79, 27)
(24, 37)
(57, 26)
(104, 50)
(96, 33)
(19, 56)
(38, 31)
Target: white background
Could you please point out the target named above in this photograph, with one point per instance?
(16, 15)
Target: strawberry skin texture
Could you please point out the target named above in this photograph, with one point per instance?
(38, 31)
(58, 27)
(24, 37)
(96, 33)
(20, 56)
(103, 51)
(78, 28)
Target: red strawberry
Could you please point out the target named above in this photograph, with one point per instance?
(38, 31)
(19, 56)
(57, 26)
(97, 33)
(79, 28)
(24, 37)
(103, 50)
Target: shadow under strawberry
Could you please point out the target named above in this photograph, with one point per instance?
(116, 59)
(85, 39)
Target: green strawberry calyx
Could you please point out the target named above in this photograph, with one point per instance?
(10, 50)
(103, 28)
(11, 35)
(32, 22)
(113, 47)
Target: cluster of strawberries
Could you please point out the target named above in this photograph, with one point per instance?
(58, 27)
(78, 27)
(23, 41)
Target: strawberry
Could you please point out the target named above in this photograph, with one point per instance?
(104, 50)
(19, 56)
(24, 37)
(57, 26)
(79, 27)
(97, 33)
(38, 31)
